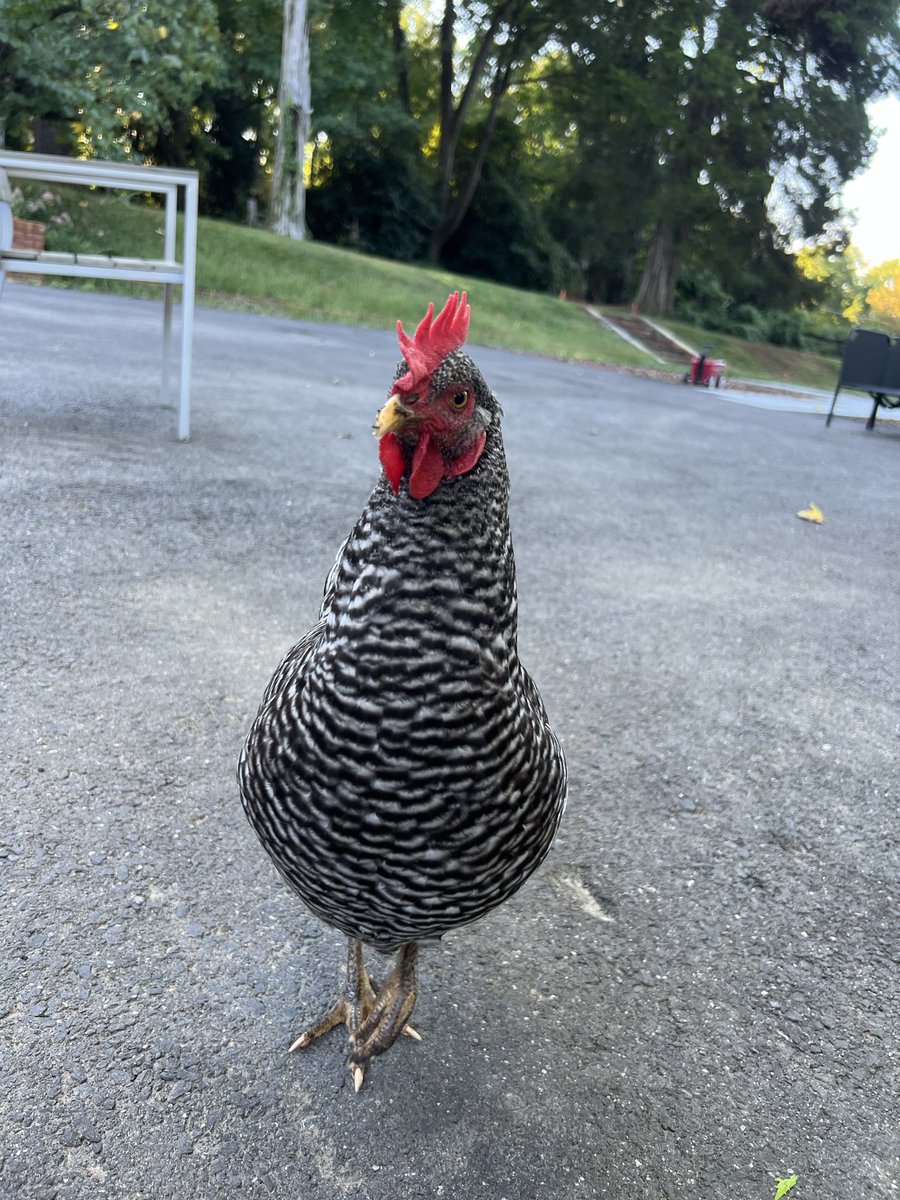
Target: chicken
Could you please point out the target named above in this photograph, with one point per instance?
(401, 771)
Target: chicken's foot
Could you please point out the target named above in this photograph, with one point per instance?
(372, 1028)
(356, 999)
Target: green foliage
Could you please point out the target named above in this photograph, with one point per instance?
(504, 235)
(238, 131)
(702, 300)
(701, 289)
(719, 102)
(837, 276)
(36, 51)
(785, 1186)
(597, 202)
(369, 186)
(785, 328)
(824, 332)
(371, 199)
(108, 68)
(749, 322)
(145, 62)
(883, 295)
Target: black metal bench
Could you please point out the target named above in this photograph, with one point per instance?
(870, 363)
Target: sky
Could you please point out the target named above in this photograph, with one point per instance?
(875, 193)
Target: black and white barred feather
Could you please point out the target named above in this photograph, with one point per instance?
(401, 771)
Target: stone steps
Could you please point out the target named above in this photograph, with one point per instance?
(651, 337)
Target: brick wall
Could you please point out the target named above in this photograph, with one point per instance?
(27, 235)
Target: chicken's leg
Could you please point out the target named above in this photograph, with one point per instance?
(388, 1016)
(374, 1021)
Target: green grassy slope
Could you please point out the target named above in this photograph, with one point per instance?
(325, 283)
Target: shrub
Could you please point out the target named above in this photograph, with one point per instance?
(785, 329)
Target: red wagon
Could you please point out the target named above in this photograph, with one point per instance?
(705, 370)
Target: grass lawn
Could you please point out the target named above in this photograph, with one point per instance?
(244, 268)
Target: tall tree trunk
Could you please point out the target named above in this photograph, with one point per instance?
(288, 207)
(452, 210)
(399, 40)
(656, 291)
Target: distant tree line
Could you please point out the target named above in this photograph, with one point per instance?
(621, 150)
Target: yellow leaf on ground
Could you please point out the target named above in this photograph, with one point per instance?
(812, 513)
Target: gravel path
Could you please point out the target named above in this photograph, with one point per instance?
(699, 989)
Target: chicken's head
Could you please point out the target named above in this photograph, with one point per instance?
(434, 424)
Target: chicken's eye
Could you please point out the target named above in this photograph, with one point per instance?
(459, 399)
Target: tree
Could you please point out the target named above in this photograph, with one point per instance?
(112, 73)
(406, 114)
(502, 37)
(765, 102)
(883, 295)
(369, 182)
(587, 122)
(288, 204)
(840, 274)
(504, 234)
(238, 132)
(34, 79)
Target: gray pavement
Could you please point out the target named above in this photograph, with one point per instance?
(698, 990)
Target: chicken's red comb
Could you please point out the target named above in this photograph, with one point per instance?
(433, 341)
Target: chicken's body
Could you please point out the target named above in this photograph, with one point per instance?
(401, 771)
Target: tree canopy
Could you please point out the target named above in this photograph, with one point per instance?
(635, 150)
(110, 71)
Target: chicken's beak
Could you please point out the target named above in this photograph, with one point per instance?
(392, 417)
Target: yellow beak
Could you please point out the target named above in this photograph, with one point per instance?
(392, 417)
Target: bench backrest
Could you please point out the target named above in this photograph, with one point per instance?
(865, 359)
(891, 380)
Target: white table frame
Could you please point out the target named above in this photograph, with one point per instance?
(171, 270)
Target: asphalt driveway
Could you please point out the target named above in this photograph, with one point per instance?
(697, 992)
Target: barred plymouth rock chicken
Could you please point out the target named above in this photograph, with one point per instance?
(401, 771)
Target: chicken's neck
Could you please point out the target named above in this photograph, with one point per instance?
(434, 571)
